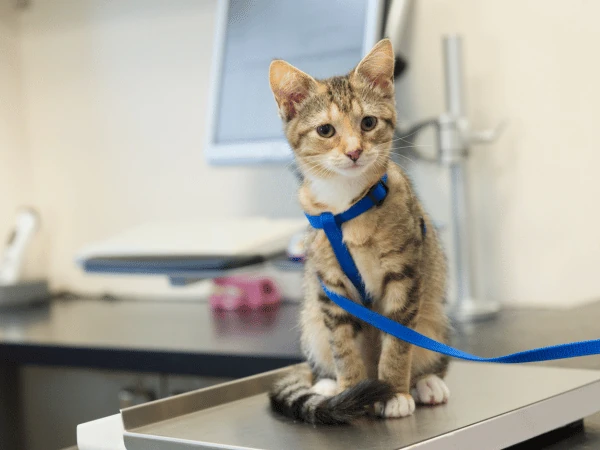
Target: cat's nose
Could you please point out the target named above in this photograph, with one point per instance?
(354, 155)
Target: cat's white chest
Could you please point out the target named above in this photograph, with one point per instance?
(336, 193)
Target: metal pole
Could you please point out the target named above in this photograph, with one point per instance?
(460, 227)
(454, 151)
(453, 63)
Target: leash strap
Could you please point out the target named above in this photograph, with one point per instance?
(332, 226)
(561, 351)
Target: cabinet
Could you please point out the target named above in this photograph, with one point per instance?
(54, 400)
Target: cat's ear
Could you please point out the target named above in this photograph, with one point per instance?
(377, 68)
(290, 87)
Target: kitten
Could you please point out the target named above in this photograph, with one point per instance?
(341, 131)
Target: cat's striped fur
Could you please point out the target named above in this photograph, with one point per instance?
(394, 246)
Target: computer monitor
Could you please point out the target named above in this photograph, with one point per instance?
(322, 38)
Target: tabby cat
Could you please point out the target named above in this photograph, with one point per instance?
(341, 131)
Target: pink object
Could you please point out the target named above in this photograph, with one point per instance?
(244, 291)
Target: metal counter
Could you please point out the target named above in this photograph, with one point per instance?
(491, 407)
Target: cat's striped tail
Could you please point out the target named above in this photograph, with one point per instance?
(293, 398)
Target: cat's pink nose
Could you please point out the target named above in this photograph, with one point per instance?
(354, 155)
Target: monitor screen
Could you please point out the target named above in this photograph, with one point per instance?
(322, 38)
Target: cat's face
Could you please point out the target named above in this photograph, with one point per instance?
(341, 125)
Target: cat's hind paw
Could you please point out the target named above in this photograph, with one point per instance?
(431, 390)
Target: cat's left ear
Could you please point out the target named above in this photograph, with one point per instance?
(290, 87)
(377, 68)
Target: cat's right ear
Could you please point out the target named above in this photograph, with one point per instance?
(290, 87)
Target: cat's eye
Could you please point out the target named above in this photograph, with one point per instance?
(368, 123)
(326, 130)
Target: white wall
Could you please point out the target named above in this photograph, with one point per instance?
(15, 171)
(535, 192)
(116, 95)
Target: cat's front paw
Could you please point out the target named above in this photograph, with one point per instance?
(431, 390)
(326, 387)
(401, 405)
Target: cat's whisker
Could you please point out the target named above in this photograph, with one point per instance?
(393, 148)
(406, 157)
(402, 138)
(399, 165)
(408, 135)
(411, 146)
(317, 169)
(389, 141)
(379, 146)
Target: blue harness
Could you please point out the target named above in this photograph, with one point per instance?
(332, 226)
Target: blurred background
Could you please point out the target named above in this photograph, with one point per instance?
(104, 107)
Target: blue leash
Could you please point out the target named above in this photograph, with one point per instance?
(561, 351)
(332, 226)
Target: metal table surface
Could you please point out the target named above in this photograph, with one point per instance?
(492, 407)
